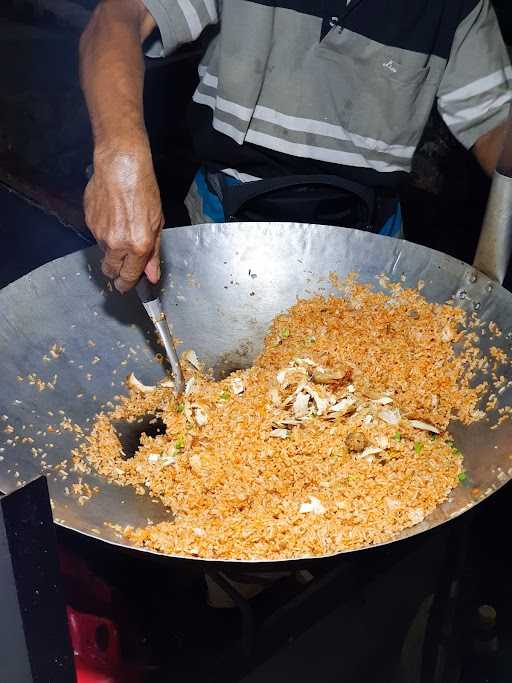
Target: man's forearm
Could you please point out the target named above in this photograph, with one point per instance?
(112, 70)
(489, 147)
(121, 201)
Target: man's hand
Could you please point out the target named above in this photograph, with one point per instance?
(123, 211)
(489, 147)
(122, 202)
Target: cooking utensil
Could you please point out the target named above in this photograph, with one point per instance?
(225, 285)
(148, 294)
(129, 432)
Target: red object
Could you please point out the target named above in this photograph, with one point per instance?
(85, 675)
(96, 647)
(95, 639)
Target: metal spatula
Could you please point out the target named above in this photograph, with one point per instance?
(130, 432)
(148, 294)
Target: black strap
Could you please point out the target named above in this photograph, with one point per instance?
(235, 197)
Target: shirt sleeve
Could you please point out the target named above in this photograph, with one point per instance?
(179, 22)
(476, 89)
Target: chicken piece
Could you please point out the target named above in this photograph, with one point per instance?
(356, 441)
(338, 377)
(291, 376)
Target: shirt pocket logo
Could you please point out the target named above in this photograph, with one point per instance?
(378, 92)
(391, 66)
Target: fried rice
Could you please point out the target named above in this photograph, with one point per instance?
(335, 438)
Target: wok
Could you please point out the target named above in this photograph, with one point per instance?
(224, 285)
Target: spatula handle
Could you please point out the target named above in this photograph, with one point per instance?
(146, 290)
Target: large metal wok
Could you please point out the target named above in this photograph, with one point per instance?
(224, 285)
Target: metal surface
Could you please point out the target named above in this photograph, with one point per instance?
(226, 283)
(129, 432)
(495, 244)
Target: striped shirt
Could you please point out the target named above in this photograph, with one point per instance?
(330, 86)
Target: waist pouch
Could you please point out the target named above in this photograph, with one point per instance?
(321, 199)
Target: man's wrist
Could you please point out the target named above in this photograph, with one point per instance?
(133, 142)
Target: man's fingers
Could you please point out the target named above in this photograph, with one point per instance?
(125, 267)
(112, 263)
(131, 270)
(152, 269)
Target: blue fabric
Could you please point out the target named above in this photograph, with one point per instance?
(212, 207)
(213, 210)
(393, 226)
